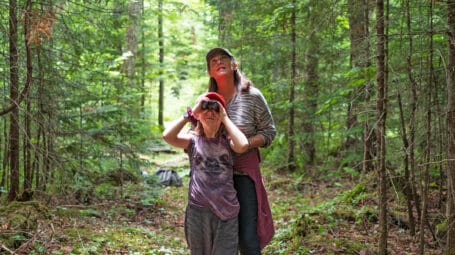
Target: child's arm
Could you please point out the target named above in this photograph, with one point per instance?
(173, 135)
(239, 142)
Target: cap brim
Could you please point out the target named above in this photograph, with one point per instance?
(216, 51)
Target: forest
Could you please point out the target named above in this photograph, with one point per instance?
(362, 93)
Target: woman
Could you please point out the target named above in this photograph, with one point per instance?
(211, 223)
(248, 109)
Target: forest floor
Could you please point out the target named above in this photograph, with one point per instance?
(324, 216)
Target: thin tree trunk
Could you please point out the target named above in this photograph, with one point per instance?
(41, 121)
(440, 139)
(450, 244)
(369, 136)
(14, 117)
(409, 184)
(407, 187)
(381, 112)
(5, 176)
(412, 131)
(161, 61)
(143, 61)
(26, 195)
(291, 140)
(36, 159)
(426, 175)
(4, 144)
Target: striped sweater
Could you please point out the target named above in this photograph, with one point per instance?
(249, 111)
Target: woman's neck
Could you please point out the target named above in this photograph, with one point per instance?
(227, 89)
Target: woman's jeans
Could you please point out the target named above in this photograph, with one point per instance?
(246, 194)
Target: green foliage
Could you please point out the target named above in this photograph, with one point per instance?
(21, 218)
(354, 195)
(442, 228)
(146, 192)
(313, 226)
(134, 240)
(90, 121)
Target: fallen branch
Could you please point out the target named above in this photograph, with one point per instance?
(6, 248)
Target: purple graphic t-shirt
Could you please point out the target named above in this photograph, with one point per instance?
(211, 182)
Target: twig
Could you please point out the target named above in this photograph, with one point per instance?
(6, 248)
(84, 206)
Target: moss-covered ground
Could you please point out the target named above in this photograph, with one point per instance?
(312, 215)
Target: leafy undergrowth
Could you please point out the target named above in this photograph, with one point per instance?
(311, 217)
(335, 217)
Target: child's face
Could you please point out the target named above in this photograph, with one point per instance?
(210, 119)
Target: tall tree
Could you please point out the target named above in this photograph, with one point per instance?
(380, 119)
(161, 61)
(142, 57)
(450, 244)
(409, 188)
(14, 117)
(358, 41)
(359, 60)
(130, 51)
(291, 138)
(26, 195)
(427, 152)
(311, 90)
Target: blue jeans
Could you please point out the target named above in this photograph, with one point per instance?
(246, 194)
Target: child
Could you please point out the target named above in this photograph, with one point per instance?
(211, 225)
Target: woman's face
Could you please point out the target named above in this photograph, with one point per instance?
(220, 65)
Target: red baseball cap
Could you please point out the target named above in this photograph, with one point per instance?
(217, 97)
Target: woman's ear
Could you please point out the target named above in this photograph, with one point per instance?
(234, 65)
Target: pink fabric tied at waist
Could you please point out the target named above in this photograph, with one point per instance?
(249, 163)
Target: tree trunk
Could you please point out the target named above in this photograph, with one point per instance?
(291, 139)
(4, 146)
(409, 187)
(412, 132)
(26, 195)
(450, 244)
(359, 58)
(5, 158)
(14, 117)
(161, 61)
(357, 39)
(369, 137)
(311, 93)
(225, 9)
(426, 173)
(143, 61)
(131, 39)
(41, 113)
(380, 118)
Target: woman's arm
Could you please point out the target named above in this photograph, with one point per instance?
(173, 135)
(239, 142)
(265, 125)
